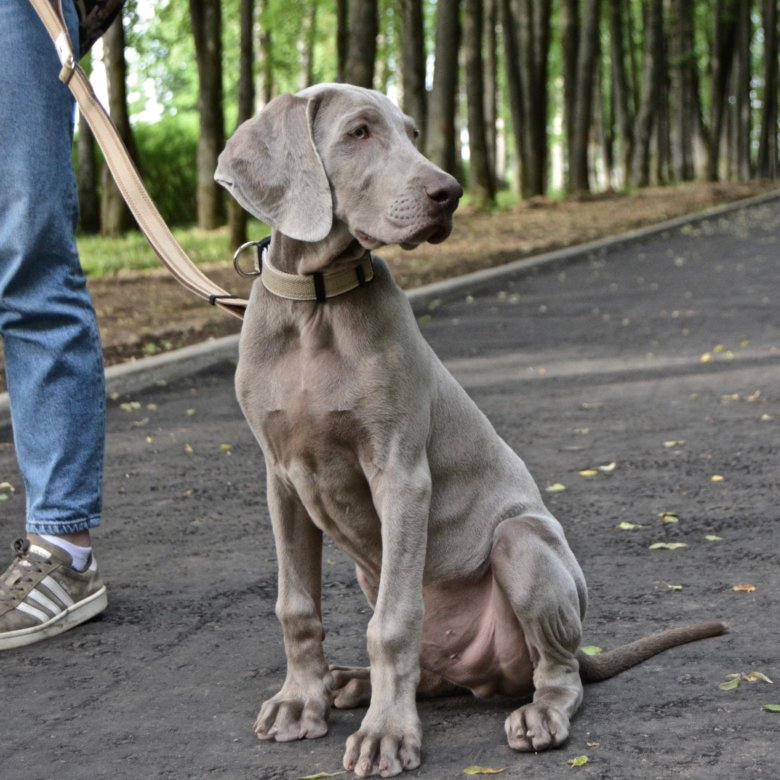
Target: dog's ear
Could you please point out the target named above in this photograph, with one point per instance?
(272, 168)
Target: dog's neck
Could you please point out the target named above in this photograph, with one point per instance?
(338, 250)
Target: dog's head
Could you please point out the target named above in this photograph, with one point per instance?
(343, 152)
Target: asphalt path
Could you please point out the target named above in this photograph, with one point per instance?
(657, 359)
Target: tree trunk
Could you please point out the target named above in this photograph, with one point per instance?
(263, 38)
(682, 59)
(491, 87)
(583, 109)
(570, 44)
(722, 59)
(621, 94)
(87, 173)
(514, 93)
(646, 114)
(767, 145)
(413, 65)
(306, 42)
(342, 39)
(441, 138)
(742, 91)
(361, 48)
(115, 216)
(481, 184)
(237, 217)
(206, 17)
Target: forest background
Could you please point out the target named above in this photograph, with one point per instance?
(565, 119)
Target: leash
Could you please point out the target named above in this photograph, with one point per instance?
(125, 174)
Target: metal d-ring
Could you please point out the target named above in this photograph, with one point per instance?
(258, 269)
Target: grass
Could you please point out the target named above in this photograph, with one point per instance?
(105, 256)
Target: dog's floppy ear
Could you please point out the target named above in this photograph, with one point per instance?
(272, 168)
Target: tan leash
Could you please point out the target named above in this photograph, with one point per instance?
(125, 174)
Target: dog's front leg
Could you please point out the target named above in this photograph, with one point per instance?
(389, 737)
(302, 706)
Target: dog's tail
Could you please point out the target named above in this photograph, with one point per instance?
(595, 668)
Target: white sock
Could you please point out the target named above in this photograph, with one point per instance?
(79, 555)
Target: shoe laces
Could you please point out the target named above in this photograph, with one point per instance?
(20, 572)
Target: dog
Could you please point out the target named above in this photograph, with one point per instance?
(369, 439)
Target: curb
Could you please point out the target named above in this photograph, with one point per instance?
(138, 375)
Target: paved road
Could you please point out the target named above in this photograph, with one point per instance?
(597, 361)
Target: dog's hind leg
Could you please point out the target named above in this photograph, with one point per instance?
(540, 577)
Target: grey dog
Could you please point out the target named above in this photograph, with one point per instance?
(368, 438)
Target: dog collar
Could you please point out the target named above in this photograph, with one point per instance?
(319, 286)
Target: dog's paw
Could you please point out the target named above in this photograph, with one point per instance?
(536, 726)
(383, 751)
(286, 718)
(350, 686)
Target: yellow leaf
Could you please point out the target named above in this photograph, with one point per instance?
(188, 449)
(767, 418)
(557, 487)
(668, 517)
(717, 478)
(608, 468)
(668, 545)
(593, 744)
(225, 448)
(719, 348)
(731, 684)
(7, 486)
(674, 587)
(578, 761)
(746, 588)
(627, 526)
(706, 358)
(591, 650)
(713, 538)
(589, 473)
(771, 707)
(671, 443)
(320, 775)
(756, 677)
(483, 770)
(150, 439)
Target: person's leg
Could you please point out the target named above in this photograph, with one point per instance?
(53, 358)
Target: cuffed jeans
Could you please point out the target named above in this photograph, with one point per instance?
(53, 358)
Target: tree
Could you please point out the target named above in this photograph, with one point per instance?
(246, 99)
(206, 17)
(583, 100)
(767, 145)
(87, 171)
(264, 87)
(481, 183)
(441, 138)
(306, 47)
(115, 216)
(648, 104)
(361, 46)
(621, 93)
(722, 59)
(413, 65)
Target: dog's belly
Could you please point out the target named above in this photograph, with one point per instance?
(472, 638)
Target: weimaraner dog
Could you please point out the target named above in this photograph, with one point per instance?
(368, 438)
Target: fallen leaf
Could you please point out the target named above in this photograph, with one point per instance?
(188, 449)
(771, 707)
(130, 406)
(578, 761)
(719, 349)
(582, 431)
(753, 397)
(150, 439)
(191, 412)
(767, 418)
(668, 545)
(746, 588)
(483, 770)
(671, 443)
(320, 775)
(588, 473)
(152, 407)
(225, 448)
(705, 358)
(593, 744)
(674, 587)
(591, 650)
(756, 677)
(668, 517)
(7, 486)
(627, 526)
(556, 487)
(717, 478)
(731, 683)
(608, 468)
(713, 538)
(728, 397)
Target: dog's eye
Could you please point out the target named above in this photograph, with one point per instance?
(360, 132)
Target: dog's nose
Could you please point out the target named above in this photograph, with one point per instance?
(444, 191)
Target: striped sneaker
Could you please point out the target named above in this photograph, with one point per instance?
(42, 596)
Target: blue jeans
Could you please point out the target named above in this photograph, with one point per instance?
(53, 358)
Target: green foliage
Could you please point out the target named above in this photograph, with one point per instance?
(168, 153)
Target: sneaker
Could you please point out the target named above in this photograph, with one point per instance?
(41, 595)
